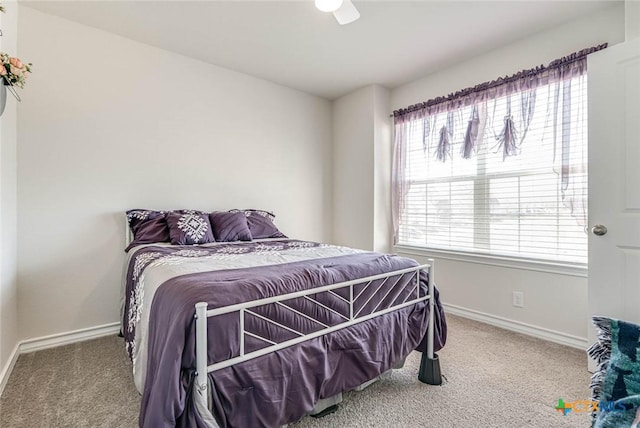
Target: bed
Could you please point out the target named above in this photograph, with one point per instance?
(263, 332)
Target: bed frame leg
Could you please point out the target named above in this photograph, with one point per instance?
(201, 349)
(430, 364)
(430, 370)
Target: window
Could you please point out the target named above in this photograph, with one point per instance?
(525, 197)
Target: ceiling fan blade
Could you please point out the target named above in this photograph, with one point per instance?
(347, 13)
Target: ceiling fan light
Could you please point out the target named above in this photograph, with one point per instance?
(347, 13)
(328, 5)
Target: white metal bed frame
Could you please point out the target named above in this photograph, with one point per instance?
(202, 313)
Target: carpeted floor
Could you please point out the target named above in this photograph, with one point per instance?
(495, 379)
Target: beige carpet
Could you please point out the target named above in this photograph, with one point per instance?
(495, 379)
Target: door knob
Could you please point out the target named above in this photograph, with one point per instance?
(599, 229)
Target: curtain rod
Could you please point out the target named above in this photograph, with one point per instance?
(556, 63)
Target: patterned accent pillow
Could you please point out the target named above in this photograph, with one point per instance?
(189, 228)
(231, 226)
(147, 227)
(261, 224)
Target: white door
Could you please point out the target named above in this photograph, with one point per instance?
(614, 182)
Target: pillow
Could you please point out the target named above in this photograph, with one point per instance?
(249, 212)
(261, 224)
(230, 226)
(147, 227)
(189, 228)
(616, 384)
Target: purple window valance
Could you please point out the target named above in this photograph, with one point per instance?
(525, 80)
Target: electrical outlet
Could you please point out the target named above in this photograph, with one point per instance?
(518, 299)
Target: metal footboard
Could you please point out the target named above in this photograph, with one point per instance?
(202, 313)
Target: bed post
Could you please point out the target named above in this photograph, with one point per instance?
(201, 349)
(430, 364)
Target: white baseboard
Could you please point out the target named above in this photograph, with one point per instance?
(52, 341)
(519, 327)
(60, 339)
(8, 367)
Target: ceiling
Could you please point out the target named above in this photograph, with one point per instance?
(293, 44)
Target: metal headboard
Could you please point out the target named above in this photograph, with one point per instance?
(128, 236)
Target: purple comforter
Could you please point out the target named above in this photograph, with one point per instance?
(280, 387)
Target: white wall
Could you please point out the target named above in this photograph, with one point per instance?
(362, 169)
(552, 301)
(632, 19)
(382, 157)
(8, 248)
(353, 169)
(108, 124)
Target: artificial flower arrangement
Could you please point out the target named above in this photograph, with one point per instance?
(13, 71)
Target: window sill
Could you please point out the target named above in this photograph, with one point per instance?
(572, 269)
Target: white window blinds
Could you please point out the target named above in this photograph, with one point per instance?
(525, 197)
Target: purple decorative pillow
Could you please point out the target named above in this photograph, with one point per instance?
(231, 226)
(249, 212)
(189, 228)
(147, 226)
(261, 224)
